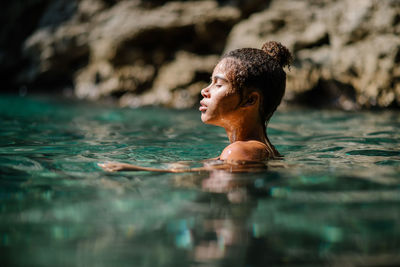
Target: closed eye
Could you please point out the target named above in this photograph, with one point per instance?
(218, 81)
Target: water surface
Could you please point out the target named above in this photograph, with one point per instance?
(336, 202)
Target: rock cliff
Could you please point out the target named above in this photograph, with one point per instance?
(347, 52)
(151, 52)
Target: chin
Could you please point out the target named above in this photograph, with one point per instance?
(204, 117)
(207, 120)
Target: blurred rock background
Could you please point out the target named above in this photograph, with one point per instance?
(153, 52)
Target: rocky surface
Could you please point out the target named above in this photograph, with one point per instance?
(178, 84)
(152, 52)
(129, 45)
(347, 53)
(120, 49)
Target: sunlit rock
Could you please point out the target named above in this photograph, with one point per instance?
(346, 52)
(178, 83)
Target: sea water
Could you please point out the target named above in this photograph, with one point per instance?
(334, 198)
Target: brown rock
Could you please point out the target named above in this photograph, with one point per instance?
(128, 33)
(114, 50)
(346, 52)
(60, 45)
(102, 79)
(178, 83)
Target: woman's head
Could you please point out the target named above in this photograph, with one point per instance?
(246, 76)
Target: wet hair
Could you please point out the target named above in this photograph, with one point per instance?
(261, 70)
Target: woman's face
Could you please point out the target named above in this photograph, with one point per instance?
(220, 99)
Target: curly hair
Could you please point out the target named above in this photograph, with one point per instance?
(261, 70)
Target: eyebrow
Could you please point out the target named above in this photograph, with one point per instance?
(220, 77)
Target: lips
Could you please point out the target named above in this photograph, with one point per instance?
(202, 107)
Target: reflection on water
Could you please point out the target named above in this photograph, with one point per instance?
(333, 200)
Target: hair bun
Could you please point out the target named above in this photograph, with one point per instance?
(278, 52)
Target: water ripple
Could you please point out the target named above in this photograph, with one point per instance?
(336, 191)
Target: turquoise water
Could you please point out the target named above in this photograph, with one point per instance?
(336, 201)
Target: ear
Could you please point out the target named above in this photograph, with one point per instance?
(251, 99)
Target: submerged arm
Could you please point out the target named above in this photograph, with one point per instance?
(232, 167)
(116, 166)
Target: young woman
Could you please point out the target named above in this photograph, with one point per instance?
(247, 85)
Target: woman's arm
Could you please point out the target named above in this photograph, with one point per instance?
(116, 166)
(219, 165)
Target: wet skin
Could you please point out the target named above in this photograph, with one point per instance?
(223, 106)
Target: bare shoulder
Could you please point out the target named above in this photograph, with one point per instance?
(245, 151)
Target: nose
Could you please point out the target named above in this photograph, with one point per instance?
(205, 92)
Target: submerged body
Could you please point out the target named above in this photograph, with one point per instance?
(246, 87)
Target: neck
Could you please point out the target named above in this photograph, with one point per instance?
(245, 132)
